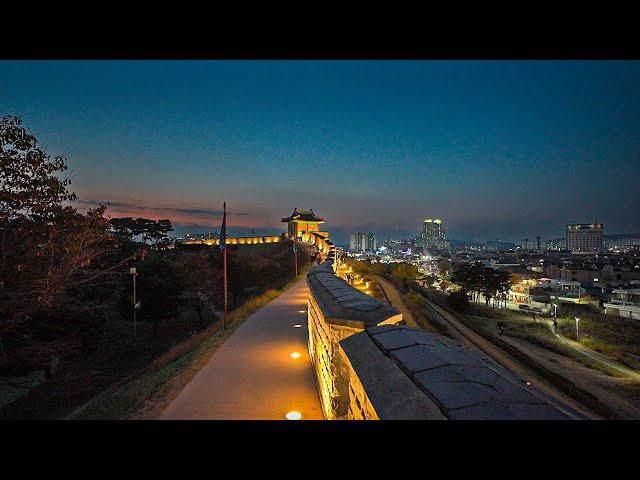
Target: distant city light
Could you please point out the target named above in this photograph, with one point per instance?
(297, 325)
(295, 355)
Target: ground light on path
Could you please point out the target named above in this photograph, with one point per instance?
(262, 372)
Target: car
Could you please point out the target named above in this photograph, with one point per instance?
(523, 307)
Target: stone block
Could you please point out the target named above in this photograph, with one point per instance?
(394, 339)
(527, 411)
(416, 358)
(485, 411)
(455, 394)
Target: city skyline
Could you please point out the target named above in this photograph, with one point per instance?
(505, 150)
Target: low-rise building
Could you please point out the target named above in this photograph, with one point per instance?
(540, 292)
(624, 303)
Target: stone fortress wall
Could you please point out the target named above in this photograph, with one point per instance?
(369, 366)
(337, 311)
(239, 240)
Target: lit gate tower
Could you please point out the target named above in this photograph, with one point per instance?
(301, 222)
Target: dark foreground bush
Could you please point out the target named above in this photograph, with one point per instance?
(458, 301)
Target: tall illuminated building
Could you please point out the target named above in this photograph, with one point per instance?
(432, 235)
(585, 237)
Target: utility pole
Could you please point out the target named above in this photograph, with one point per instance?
(295, 255)
(223, 246)
(224, 268)
(134, 273)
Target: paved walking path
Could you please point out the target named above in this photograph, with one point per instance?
(252, 375)
(593, 355)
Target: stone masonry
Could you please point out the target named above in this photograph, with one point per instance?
(336, 311)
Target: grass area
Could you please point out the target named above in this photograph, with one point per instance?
(415, 303)
(536, 333)
(146, 395)
(618, 338)
(615, 337)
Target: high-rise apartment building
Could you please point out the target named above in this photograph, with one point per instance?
(362, 242)
(370, 242)
(432, 235)
(585, 237)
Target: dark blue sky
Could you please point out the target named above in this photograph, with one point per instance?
(495, 149)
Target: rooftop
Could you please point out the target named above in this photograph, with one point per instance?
(303, 216)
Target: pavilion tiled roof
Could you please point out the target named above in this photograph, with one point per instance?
(304, 216)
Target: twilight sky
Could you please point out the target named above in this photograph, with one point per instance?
(496, 149)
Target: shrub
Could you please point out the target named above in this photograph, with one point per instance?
(458, 301)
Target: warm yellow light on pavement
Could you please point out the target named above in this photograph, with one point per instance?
(293, 415)
(295, 355)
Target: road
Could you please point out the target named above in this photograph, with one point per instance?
(252, 375)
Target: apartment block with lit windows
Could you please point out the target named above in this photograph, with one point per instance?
(585, 237)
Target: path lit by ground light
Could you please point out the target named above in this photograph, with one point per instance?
(261, 372)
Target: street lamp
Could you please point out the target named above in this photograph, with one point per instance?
(577, 321)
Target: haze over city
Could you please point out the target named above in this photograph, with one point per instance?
(508, 149)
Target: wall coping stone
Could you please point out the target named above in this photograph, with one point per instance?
(436, 374)
(342, 304)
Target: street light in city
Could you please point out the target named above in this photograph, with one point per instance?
(577, 321)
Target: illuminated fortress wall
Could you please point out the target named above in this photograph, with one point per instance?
(337, 311)
(240, 240)
(319, 239)
(368, 367)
